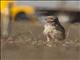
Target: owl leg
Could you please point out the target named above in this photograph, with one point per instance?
(48, 42)
(48, 39)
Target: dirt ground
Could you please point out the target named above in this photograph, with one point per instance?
(27, 42)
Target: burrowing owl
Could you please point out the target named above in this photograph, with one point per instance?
(53, 30)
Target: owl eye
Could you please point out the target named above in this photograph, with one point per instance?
(56, 18)
(51, 18)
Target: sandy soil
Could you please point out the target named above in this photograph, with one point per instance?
(26, 42)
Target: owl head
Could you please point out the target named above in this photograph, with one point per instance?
(51, 19)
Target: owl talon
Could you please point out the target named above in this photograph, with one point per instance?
(48, 40)
(49, 45)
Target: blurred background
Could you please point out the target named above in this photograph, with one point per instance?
(22, 30)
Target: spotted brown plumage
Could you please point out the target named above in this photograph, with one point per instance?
(53, 30)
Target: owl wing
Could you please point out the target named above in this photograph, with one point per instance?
(55, 34)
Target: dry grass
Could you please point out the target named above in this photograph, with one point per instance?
(26, 34)
(27, 42)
